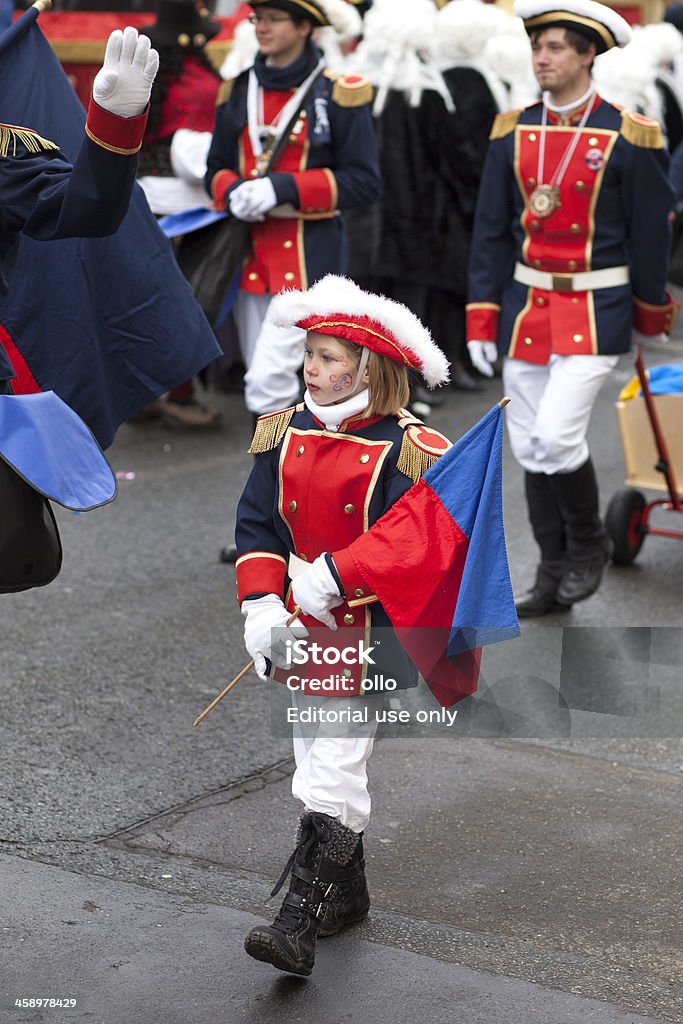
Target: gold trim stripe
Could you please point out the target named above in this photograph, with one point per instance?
(554, 17)
(260, 554)
(311, 8)
(110, 148)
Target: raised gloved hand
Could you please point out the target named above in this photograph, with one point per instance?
(483, 354)
(316, 592)
(263, 615)
(645, 340)
(124, 82)
(252, 200)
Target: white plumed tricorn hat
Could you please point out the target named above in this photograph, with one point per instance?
(338, 307)
(600, 23)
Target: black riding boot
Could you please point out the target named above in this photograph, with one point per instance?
(587, 542)
(549, 532)
(325, 893)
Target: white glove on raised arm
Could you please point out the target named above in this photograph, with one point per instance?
(252, 200)
(482, 354)
(124, 82)
(263, 615)
(316, 592)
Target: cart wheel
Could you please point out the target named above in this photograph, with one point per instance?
(623, 521)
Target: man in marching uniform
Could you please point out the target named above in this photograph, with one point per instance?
(329, 162)
(568, 268)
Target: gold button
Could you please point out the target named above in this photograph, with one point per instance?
(292, 138)
(349, 509)
(364, 459)
(575, 228)
(532, 136)
(303, 557)
(299, 451)
(253, 276)
(540, 301)
(534, 225)
(578, 338)
(289, 276)
(254, 173)
(579, 186)
(358, 592)
(292, 506)
(537, 263)
(531, 182)
(572, 264)
(302, 115)
(349, 619)
(288, 244)
(592, 141)
(575, 301)
(309, 209)
(527, 341)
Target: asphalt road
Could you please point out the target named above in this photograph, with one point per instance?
(524, 862)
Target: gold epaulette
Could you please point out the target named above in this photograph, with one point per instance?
(270, 429)
(641, 131)
(420, 448)
(350, 90)
(10, 134)
(504, 124)
(224, 91)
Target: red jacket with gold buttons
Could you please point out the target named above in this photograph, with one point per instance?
(614, 212)
(329, 163)
(313, 491)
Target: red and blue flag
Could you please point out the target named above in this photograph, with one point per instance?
(437, 562)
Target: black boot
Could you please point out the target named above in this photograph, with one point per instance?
(549, 532)
(347, 900)
(316, 902)
(587, 542)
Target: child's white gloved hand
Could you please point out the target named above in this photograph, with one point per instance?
(316, 592)
(264, 615)
(124, 82)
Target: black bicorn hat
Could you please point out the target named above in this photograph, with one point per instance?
(181, 23)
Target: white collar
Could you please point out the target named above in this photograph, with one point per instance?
(334, 415)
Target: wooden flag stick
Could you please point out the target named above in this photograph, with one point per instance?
(503, 402)
(295, 615)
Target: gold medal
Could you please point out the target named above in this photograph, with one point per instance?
(544, 200)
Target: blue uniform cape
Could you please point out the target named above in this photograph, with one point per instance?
(51, 448)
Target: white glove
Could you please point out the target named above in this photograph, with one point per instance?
(124, 82)
(647, 339)
(263, 615)
(316, 592)
(252, 200)
(482, 354)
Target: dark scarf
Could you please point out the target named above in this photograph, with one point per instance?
(284, 79)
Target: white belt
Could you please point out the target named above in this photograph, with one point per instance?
(583, 281)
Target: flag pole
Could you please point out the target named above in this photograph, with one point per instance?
(200, 718)
(23, 23)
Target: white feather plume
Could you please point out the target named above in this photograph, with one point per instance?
(335, 294)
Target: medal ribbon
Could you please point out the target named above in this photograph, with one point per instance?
(565, 160)
(255, 103)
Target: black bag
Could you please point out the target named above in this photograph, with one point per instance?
(30, 548)
(210, 259)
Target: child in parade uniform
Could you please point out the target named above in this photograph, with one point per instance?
(325, 471)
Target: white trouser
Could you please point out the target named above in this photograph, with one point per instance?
(331, 775)
(272, 355)
(551, 405)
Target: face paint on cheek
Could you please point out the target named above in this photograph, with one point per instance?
(341, 382)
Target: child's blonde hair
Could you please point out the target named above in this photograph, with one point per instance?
(387, 381)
